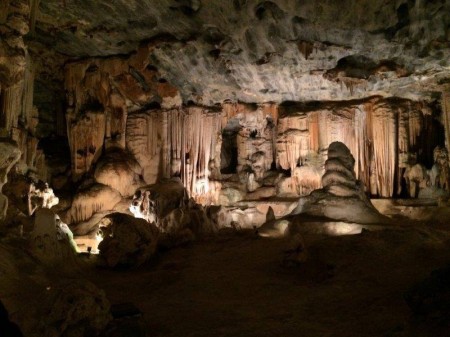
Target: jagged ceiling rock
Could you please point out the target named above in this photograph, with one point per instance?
(259, 51)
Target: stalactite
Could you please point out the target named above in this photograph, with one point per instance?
(27, 95)
(385, 148)
(34, 10)
(305, 48)
(11, 106)
(404, 138)
(165, 148)
(361, 154)
(313, 127)
(415, 125)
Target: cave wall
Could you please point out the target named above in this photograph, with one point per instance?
(125, 103)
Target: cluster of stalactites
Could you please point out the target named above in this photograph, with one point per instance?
(188, 141)
(383, 136)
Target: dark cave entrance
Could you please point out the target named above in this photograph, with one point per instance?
(229, 151)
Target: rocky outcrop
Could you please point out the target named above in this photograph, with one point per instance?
(14, 20)
(167, 205)
(127, 241)
(101, 92)
(77, 309)
(45, 303)
(18, 116)
(342, 196)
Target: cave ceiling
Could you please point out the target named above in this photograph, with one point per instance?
(260, 51)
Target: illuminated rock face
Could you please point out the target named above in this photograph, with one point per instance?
(342, 196)
(239, 106)
(244, 152)
(165, 90)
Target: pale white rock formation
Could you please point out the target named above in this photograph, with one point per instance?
(274, 228)
(342, 196)
(51, 240)
(44, 194)
(230, 195)
(255, 128)
(263, 192)
(127, 240)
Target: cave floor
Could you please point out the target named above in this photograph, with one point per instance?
(235, 284)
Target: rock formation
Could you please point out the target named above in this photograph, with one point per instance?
(51, 240)
(167, 205)
(119, 170)
(89, 200)
(342, 196)
(50, 299)
(10, 155)
(127, 241)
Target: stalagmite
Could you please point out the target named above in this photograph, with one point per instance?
(342, 196)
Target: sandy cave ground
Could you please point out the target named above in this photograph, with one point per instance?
(235, 284)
